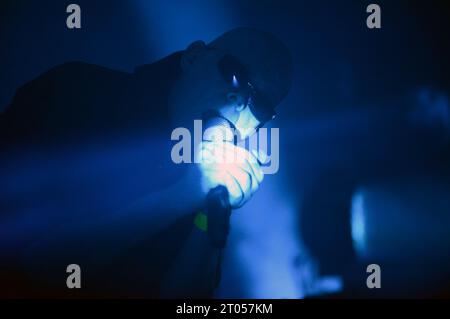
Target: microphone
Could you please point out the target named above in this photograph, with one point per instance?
(216, 128)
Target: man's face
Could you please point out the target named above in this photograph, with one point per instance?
(208, 84)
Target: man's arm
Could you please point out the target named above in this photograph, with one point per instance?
(98, 243)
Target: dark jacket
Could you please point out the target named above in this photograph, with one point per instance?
(90, 140)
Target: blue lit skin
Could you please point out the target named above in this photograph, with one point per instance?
(246, 123)
(202, 86)
(223, 163)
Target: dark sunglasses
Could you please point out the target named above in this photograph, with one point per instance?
(237, 76)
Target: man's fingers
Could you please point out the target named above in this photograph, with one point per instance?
(243, 177)
(257, 171)
(234, 167)
(228, 154)
(261, 156)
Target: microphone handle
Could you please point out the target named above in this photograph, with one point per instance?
(218, 210)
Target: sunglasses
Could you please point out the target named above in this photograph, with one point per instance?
(238, 78)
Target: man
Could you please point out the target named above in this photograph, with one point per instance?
(87, 177)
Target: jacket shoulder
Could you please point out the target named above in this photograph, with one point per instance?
(64, 96)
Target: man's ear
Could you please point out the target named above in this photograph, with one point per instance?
(191, 53)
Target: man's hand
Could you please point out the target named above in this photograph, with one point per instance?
(223, 163)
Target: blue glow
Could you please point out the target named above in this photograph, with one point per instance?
(358, 223)
(172, 25)
(348, 132)
(235, 81)
(263, 247)
(224, 164)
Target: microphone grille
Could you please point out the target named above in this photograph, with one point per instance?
(218, 129)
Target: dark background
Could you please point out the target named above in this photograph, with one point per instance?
(341, 120)
(339, 62)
